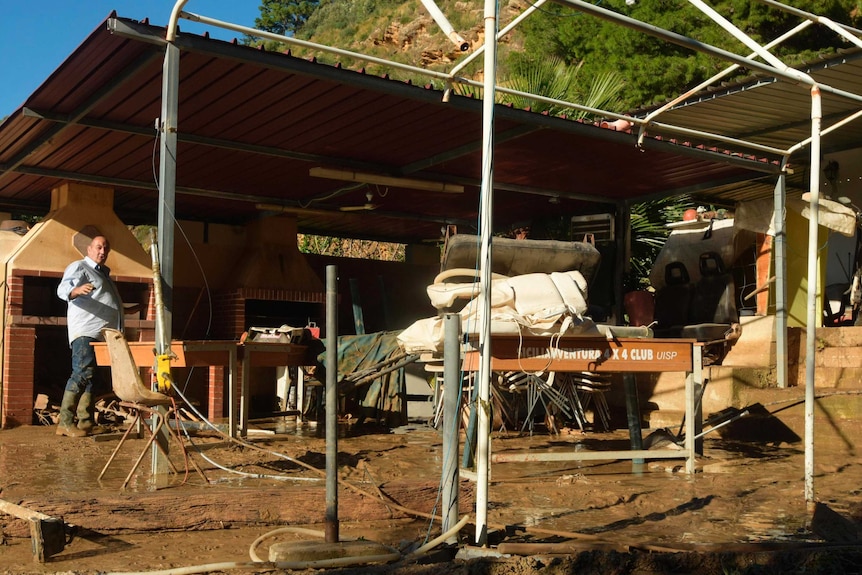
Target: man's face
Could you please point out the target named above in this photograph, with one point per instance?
(98, 250)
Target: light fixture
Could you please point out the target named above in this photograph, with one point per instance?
(380, 180)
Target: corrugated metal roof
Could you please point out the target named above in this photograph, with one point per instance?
(778, 113)
(253, 123)
(767, 111)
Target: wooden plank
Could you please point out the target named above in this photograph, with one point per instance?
(47, 534)
(595, 354)
(188, 353)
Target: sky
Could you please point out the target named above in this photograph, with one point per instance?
(37, 36)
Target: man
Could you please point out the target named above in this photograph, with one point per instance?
(94, 303)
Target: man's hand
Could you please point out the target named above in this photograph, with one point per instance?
(83, 289)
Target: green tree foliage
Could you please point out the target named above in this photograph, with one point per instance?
(553, 78)
(350, 248)
(284, 17)
(655, 69)
(649, 233)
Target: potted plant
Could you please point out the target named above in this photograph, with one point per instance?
(638, 300)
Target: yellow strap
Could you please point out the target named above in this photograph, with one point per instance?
(163, 372)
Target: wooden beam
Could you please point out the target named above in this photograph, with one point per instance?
(47, 534)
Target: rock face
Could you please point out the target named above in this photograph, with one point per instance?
(410, 35)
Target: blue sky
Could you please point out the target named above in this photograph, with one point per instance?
(36, 36)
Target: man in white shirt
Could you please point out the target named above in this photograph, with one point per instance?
(94, 303)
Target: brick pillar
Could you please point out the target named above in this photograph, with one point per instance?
(217, 391)
(18, 370)
(230, 315)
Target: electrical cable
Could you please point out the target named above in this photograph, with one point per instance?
(258, 564)
(188, 243)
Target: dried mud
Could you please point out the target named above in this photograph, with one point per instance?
(744, 511)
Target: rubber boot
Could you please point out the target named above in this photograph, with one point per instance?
(86, 418)
(66, 424)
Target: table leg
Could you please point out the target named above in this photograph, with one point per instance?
(693, 409)
(300, 393)
(232, 393)
(632, 414)
(245, 368)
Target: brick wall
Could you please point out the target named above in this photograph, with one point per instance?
(18, 367)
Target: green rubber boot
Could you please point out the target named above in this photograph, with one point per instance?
(86, 417)
(66, 424)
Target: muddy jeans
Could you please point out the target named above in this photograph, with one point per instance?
(83, 366)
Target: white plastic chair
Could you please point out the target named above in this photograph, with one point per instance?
(139, 400)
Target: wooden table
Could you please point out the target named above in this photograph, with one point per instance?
(264, 354)
(602, 355)
(233, 355)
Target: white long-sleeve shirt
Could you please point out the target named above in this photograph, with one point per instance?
(102, 307)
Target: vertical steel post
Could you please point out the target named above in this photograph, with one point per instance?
(451, 421)
(633, 415)
(780, 262)
(356, 301)
(483, 381)
(693, 412)
(167, 194)
(331, 519)
(812, 320)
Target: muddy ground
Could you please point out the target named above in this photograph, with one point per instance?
(743, 512)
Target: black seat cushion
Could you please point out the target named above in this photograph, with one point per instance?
(714, 296)
(672, 302)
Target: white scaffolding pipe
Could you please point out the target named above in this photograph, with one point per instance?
(450, 77)
(780, 270)
(445, 26)
(813, 289)
(789, 74)
(174, 20)
(848, 32)
(746, 40)
(636, 121)
(311, 45)
(824, 131)
(483, 407)
(509, 27)
(708, 82)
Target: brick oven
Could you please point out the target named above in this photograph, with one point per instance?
(35, 349)
(272, 285)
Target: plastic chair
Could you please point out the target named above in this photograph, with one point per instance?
(139, 400)
(585, 389)
(538, 391)
(673, 301)
(713, 300)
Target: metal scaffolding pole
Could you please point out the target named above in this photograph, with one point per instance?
(483, 383)
(780, 262)
(812, 320)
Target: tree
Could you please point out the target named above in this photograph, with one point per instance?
(284, 17)
(649, 233)
(655, 69)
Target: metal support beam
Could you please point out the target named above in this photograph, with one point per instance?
(80, 112)
(486, 197)
(812, 320)
(166, 209)
(331, 525)
(780, 270)
(451, 419)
